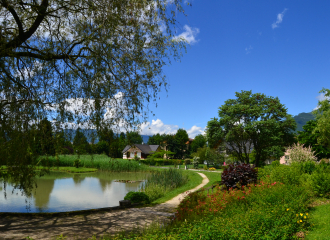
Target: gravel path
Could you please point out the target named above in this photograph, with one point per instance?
(84, 226)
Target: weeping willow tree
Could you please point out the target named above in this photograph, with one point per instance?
(79, 63)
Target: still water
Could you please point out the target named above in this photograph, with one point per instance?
(60, 192)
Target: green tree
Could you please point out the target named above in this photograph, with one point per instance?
(254, 121)
(199, 142)
(156, 139)
(323, 119)
(45, 138)
(80, 143)
(309, 137)
(133, 138)
(209, 155)
(181, 148)
(74, 60)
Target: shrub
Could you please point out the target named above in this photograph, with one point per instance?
(155, 191)
(324, 160)
(237, 175)
(136, 158)
(77, 163)
(298, 153)
(205, 167)
(321, 184)
(285, 174)
(212, 169)
(196, 162)
(276, 163)
(308, 167)
(187, 161)
(137, 197)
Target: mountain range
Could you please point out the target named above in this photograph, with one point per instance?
(302, 119)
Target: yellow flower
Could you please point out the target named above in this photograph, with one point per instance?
(304, 216)
(307, 214)
(300, 220)
(297, 215)
(288, 209)
(301, 214)
(297, 221)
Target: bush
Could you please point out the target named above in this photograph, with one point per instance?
(137, 197)
(155, 191)
(77, 163)
(324, 160)
(307, 167)
(298, 153)
(321, 184)
(205, 167)
(196, 162)
(284, 174)
(187, 161)
(238, 175)
(275, 163)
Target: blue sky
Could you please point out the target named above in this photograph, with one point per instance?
(279, 48)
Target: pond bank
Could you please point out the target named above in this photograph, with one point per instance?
(84, 226)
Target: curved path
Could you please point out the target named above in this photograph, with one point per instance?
(84, 226)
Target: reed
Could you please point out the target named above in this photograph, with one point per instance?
(101, 162)
(158, 184)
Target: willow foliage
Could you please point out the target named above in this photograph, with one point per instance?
(89, 63)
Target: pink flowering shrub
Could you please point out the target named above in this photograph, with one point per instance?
(298, 153)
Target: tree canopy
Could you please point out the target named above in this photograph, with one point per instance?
(252, 121)
(199, 142)
(309, 137)
(80, 63)
(323, 119)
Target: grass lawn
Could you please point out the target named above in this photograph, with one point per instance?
(212, 176)
(321, 221)
(194, 180)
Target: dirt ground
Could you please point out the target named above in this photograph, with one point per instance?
(84, 226)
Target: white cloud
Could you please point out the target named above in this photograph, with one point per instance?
(157, 126)
(321, 98)
(189, 35)
(194, 131)
(279, 19)
(248, 49)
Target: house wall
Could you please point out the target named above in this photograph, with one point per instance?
(130, 153)
(285, 159)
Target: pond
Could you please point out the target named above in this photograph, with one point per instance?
(61, 192)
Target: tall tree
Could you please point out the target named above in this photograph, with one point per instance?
(309, 137)
(80, 143)
(156, 139)
(181, 139)
(323, 119)
(82, 62)
(199, 142)
(133, 138)
(45, 138)
(253, 121)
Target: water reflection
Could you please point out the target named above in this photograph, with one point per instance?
(67, 192)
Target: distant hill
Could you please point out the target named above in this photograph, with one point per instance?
(302, 119)
(88, 133)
